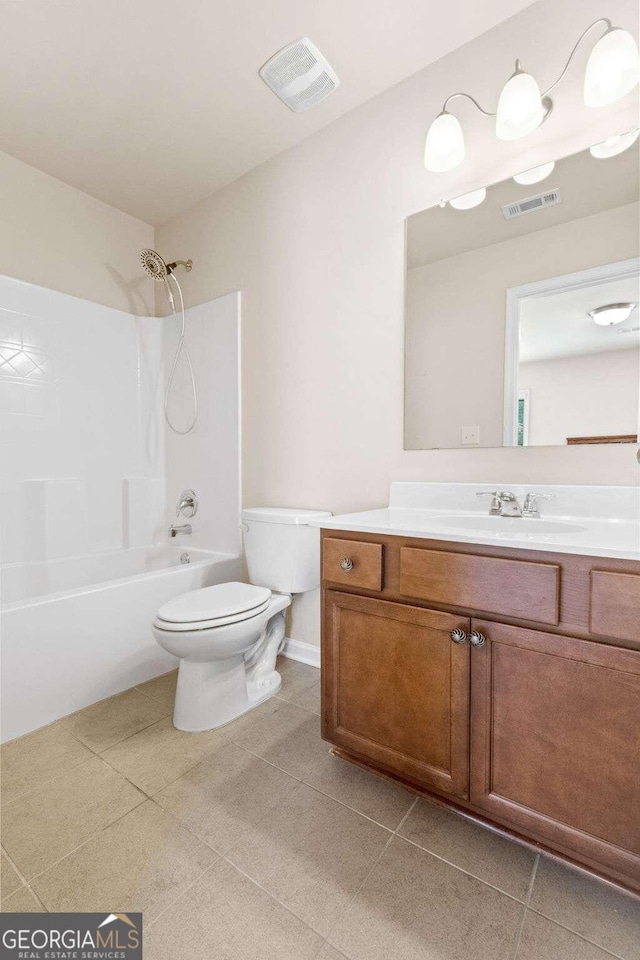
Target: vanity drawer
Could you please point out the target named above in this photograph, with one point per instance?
(614, 604)
(352, 563)
(514, 588)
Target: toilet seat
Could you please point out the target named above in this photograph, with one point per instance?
(211, 607)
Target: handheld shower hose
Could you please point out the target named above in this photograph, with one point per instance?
(160, 271)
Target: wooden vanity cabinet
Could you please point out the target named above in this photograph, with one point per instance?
(396, 688)
(555, 742)
(531, 729)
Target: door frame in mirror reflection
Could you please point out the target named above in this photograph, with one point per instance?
(541, 288)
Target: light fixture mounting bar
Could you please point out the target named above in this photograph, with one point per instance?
(468, 96)
(573, 52)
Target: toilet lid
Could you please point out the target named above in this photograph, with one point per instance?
(214, 603)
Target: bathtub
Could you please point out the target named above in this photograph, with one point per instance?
(77, 630)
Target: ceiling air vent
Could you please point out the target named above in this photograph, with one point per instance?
(299, 75)
(547, 199)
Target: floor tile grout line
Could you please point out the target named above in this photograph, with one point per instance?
(130, 736)
(347, 906)
(150, 696)
(527, 898)
(462, 870)
(580, 936)
(23, 880)
(100, 753)
(62, 721)
(219, 743)
(275, 899)
(87, 840)
(47, 783)
(182, 894)
(348, 806)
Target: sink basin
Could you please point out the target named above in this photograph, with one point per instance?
(528, 527)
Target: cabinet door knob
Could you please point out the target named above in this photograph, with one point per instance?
(477, 639)
(346, 564)
(458, 635)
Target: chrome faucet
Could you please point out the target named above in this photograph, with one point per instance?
(181, 528)
(503, 503)
(506, 504)
(530, 508)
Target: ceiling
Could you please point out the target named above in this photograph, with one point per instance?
(151, 105)
(587, 186)
(559, 325)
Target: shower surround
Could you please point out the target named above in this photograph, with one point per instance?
(89, 477)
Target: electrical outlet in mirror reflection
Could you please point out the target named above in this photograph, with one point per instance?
(470, 436)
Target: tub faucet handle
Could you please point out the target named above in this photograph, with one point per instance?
(187, 504)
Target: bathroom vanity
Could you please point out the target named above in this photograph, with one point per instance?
(494, 661)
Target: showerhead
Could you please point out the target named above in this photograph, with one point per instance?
(155, 266)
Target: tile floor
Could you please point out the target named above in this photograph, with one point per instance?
(253, 841)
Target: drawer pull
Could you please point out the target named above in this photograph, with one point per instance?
(458, 635)
(477, 639)
(346, 564)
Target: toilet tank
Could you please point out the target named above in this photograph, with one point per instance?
(281, 549)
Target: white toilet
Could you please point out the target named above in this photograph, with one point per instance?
(228, 636)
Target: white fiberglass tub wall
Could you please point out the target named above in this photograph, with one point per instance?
(79, 412)
(88, 489)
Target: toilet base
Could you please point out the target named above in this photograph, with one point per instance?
(211, 694)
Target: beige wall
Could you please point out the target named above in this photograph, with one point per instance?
(591, 396)
(58, 237)
(314, 240)
(463, 300)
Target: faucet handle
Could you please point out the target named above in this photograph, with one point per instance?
(496, 503)
(187, 504)
(530, 508)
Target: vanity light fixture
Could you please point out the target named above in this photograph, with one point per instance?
(521, 107)
(611, 313)
(469, 200)
(612, 146)
(612, 68)
(536, 174)
(611, 73)
(444, 149)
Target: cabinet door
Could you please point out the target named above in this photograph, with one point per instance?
(555, 748)
(396, 689)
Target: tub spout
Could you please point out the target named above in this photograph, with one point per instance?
(182, 528)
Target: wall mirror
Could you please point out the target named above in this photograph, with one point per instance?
(522, 324)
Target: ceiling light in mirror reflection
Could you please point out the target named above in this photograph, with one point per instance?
(612, 313)
(469, 200)
(614, 145)
(582, 378)
(536, 174)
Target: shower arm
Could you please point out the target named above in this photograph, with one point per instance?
(187, 264)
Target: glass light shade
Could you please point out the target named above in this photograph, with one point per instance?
(520, 109)
(614, 145)
(611, 314)
(612, 69)
(469, 200)
(444, 149)
(536, 174)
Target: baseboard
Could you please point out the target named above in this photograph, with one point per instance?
(304, 652)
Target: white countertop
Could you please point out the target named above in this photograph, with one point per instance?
(607, 519)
